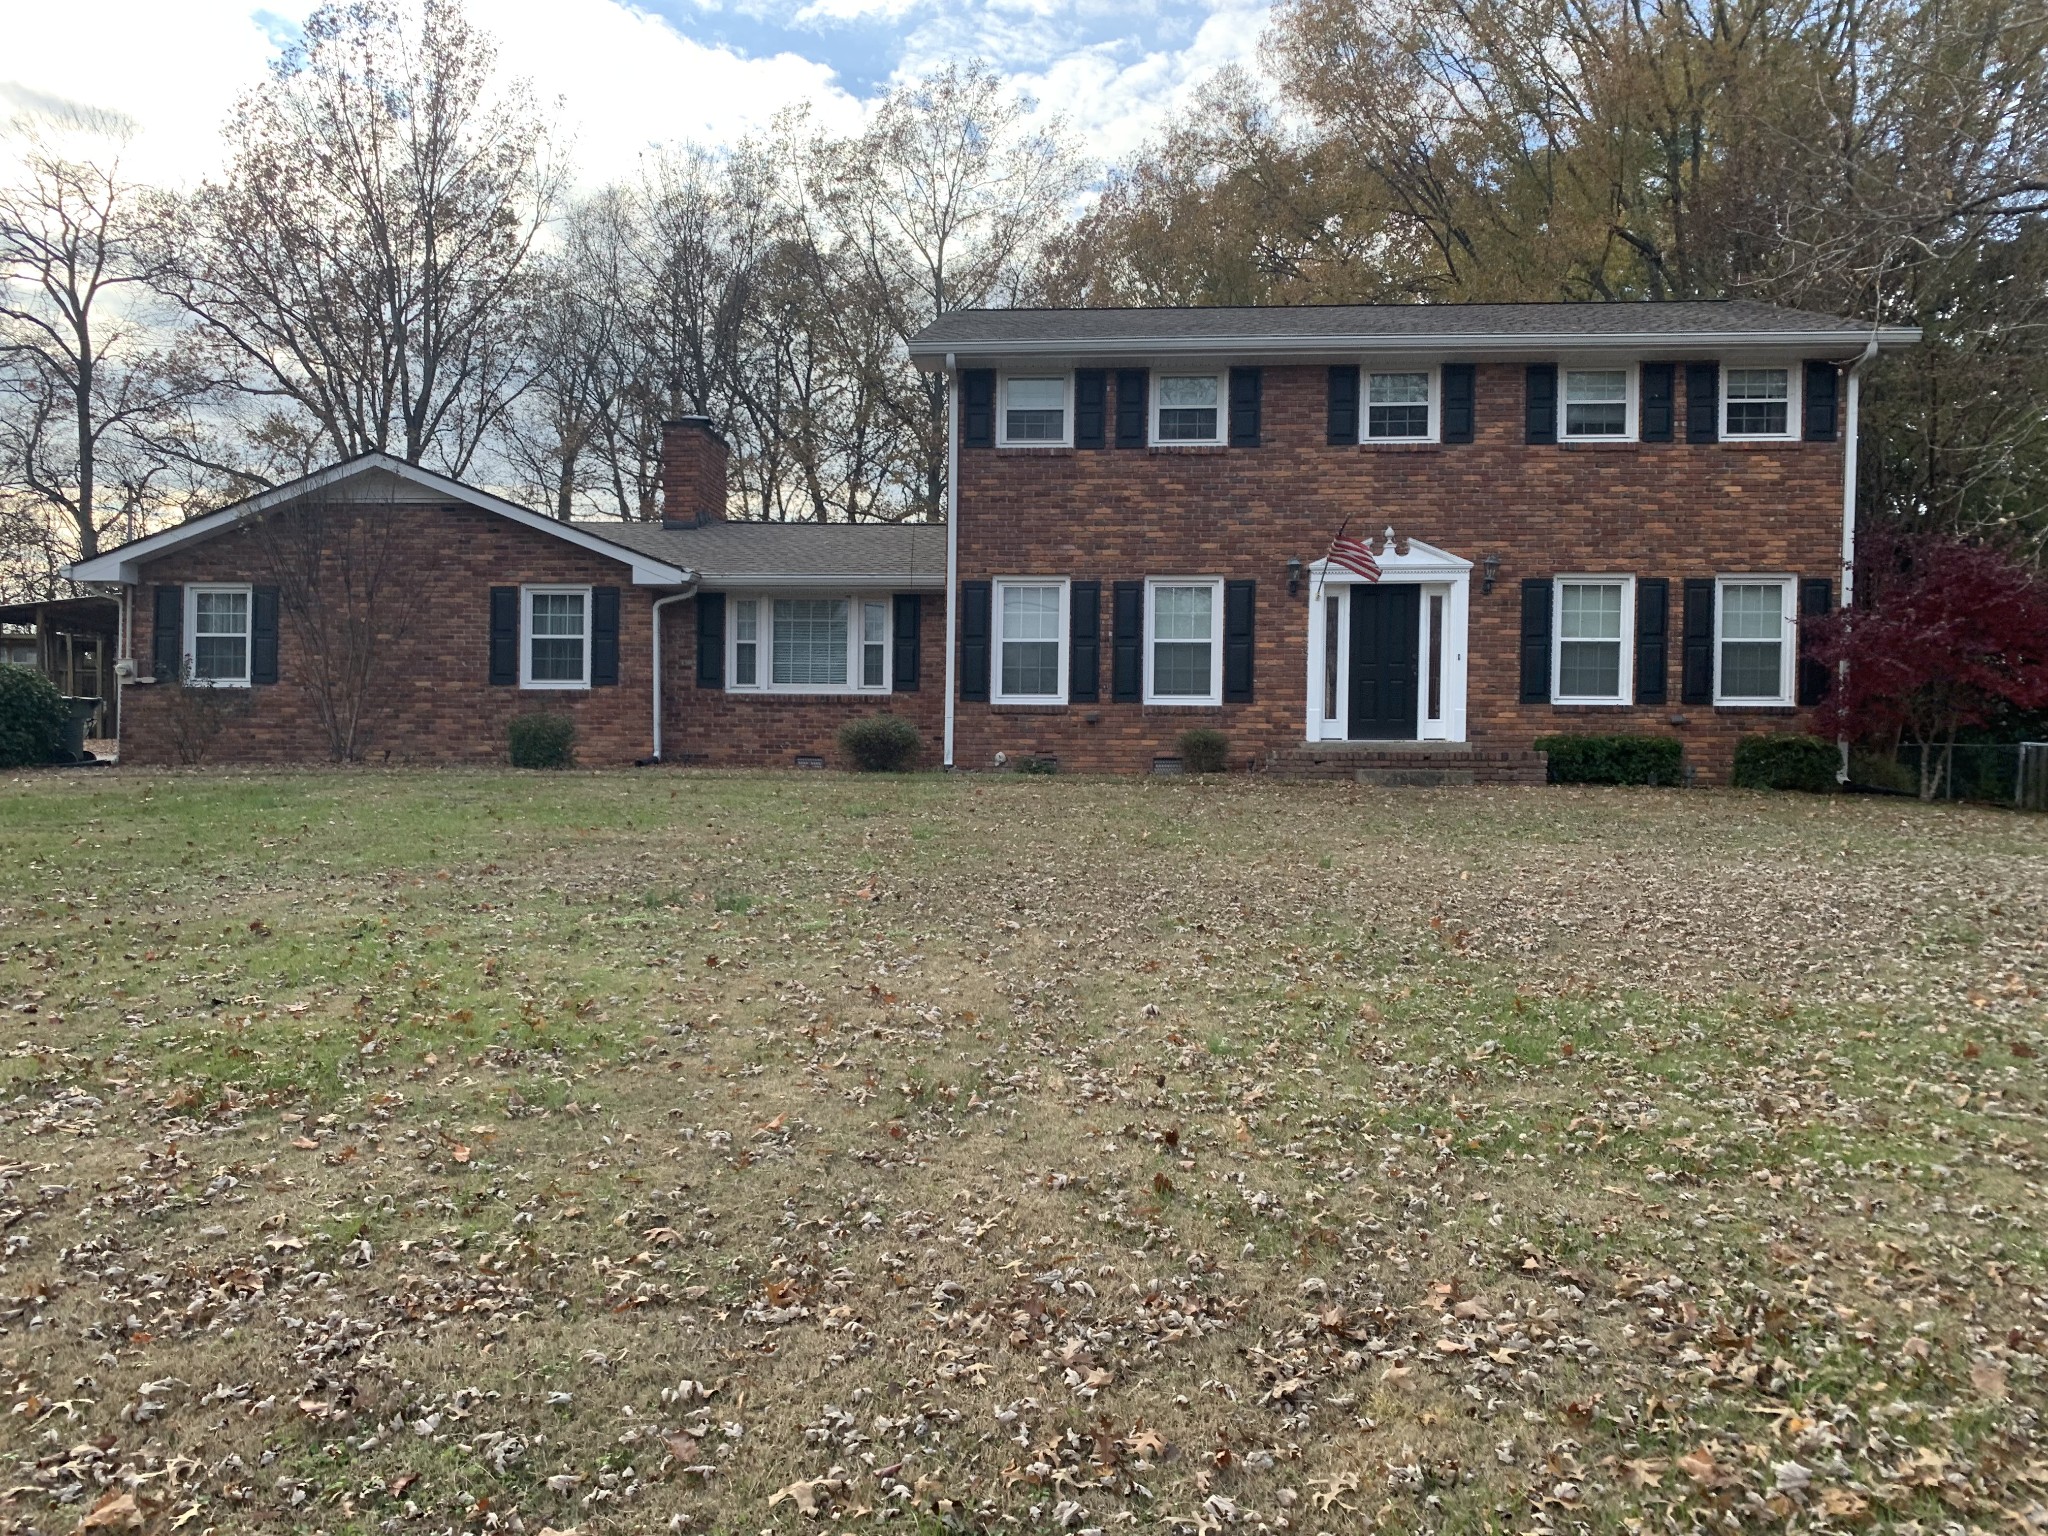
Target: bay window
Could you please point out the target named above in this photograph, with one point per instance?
(1183, 641)
(1031, 642)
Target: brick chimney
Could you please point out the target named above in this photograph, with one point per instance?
(692, 472)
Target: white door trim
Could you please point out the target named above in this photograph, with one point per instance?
(1438, 572)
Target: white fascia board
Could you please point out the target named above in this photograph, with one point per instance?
(1677, 343)
(756, 581)
(123, 564)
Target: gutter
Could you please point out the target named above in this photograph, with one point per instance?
(659, 604)
(1851, 414)
(952, 539)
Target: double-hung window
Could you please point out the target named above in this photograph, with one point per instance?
(1398, 408)
(1034, 411)
(808, 643)
(1598, 405)
(1592, 662)
(217, 619)
(1031, 642)
(1756, 402)
(1183, 640)
(1188, 408)
(1753, 630)
(556, 650)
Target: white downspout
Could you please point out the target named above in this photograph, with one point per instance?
(1849, 422)
(659, 604)
(952, 538)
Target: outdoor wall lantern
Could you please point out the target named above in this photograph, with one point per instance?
(1293, 577)
(1491, 567)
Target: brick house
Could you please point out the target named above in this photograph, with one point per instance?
(1584, 517)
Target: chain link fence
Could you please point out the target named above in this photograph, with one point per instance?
(2011, 773)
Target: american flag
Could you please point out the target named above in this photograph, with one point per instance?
(1355, 556)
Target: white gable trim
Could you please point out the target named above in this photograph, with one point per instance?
(123, 564)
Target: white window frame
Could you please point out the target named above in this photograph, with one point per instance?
(1222, 378)
(1181, 700)
(1435, 432)
(1788, 647)
(190, 637)
(764, 643)
(1066, 437)
(1794, 405)
(1632, 376)
(995, 659)
(1627, 693)
(526, 637)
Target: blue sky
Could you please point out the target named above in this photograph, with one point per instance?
(630, 72)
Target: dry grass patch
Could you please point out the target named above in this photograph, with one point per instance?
(726, 1153)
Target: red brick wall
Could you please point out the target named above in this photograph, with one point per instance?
(434, 702)
(711, 726)
(1652, 509)
(693, 471)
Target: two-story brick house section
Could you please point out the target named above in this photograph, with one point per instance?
(1586, 517)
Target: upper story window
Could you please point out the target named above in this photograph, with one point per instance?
(1398, 407)
(1756, 402)
(1188, 408)
(1591, 663)
(1035, 410)
(815, 644)
(1184, 619)
(1031, 642)
(1598, 403)
(217, 618)
(556, 652)
(1753, 648)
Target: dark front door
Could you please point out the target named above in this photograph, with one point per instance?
(1385, 623)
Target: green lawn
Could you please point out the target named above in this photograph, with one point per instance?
(628, 1152)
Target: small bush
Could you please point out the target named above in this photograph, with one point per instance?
(1880, 770)
(543, 741)
(1787, 762)
(1203, 750)
(880, 744)
(1038, 765)
(32, 718)
(1612, 759)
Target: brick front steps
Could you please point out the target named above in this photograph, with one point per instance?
(1409, 765)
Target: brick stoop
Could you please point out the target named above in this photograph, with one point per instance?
(1410, 765)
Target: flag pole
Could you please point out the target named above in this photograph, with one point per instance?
(1323, 579)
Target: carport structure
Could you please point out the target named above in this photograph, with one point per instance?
(74, 642)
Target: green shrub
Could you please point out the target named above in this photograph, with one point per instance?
(32, 718)
(543, 741)
(1203, 750)
(1612, 759)
(1038, 765)
(1787, 762)
(880, 744)
(1881, 770)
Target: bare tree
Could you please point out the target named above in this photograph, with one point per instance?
(356, 269)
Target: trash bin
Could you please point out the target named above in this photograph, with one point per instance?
(72, 749)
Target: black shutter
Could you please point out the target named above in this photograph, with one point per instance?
(1702, 402)
(167, 635)
(1459, 414)
(1536, 639)
(1247, 390)
(604, 637)
(1539, 409)
(1240, 609)
(977, 407)
(976, 599)
(1084, 642)
(1653, 638)
(1131, 384)
(1816, 600)
(711, 640)
(909, 641)
(1696, 668)
(504, 636)
(1822, 382)
(1659, 383)
(263, 635)
(1091, 407)
(1343, 423)
(1127, 642)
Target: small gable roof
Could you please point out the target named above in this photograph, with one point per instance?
(359, 475)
